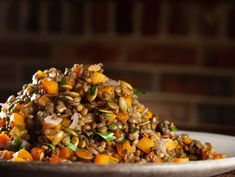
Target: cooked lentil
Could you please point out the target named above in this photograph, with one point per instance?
(82, 115)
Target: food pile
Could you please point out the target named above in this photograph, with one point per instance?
(82, 115)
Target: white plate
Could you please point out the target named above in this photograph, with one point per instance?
(222, 143)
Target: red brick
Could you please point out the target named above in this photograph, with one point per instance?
(217, 114)
(197, 84)
(151, 10)
(7, 73)
(169, 111)
(12, 16)
(54, 16)
(24, 49)
(124, 16)
(222, 57)
(99, 16)
(179, 21)
(93, 52)
(163, 54)
(140, 80)
(231, 20)
(208, 19)
(76, 18)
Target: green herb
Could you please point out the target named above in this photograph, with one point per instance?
(169, 159)
(15, 144)
(30, 85)
(63, 81)
(113, 126)
(108, 115)
(138, 91)
(15, 111)
(93, 90)
(135, 129)
(13, 104)
(67, 134)
(17, 139)
(71, 146)
(124, 140)
(20, 128)
(174, 129)
(53, 148)
(108, 136)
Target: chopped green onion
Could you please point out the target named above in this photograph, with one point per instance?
(63, 81)
(53, 148)
(93, 90)
(71, 146)
(169, 159)
(20, 128)
(108, 115)
(138, 91)
(135, 129)
(174, 129)
(108, 136)
(113, 126)
(15, 111)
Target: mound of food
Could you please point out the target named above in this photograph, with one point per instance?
(82, 115)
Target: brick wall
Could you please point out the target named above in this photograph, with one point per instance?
(182, 53)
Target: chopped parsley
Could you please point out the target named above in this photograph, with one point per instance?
(71, 146)
(138, 92)
(108, 136)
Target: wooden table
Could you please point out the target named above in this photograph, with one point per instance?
(228, 174)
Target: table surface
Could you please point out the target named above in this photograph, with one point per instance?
(228, 174)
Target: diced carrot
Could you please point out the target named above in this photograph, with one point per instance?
(102, 159)
(2, 122)
(187, 140)
(39, 75)
(128, 100)
(113, 160)
(4, 137)
(204, 152)
(97, 78)
(219, 156)
(37, 153)
(122, 116)
(16, 131)
(159, 160)
(24, 154)
(66, 122)
(141, 109)
(17, 119)
(149, 115)
(170, 145)
(181, 160)
(107, 89)
(126, 146)
(145, 144)
(119, 149)
(66, 153)
(43, 100)
(55, 159)
(18, 159)
(84, 154)
(17, 107)
(50, 86)
(117, 133)
(6, 155)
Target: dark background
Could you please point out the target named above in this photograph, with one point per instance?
(181, 53)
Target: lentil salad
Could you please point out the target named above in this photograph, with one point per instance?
(82, 115)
